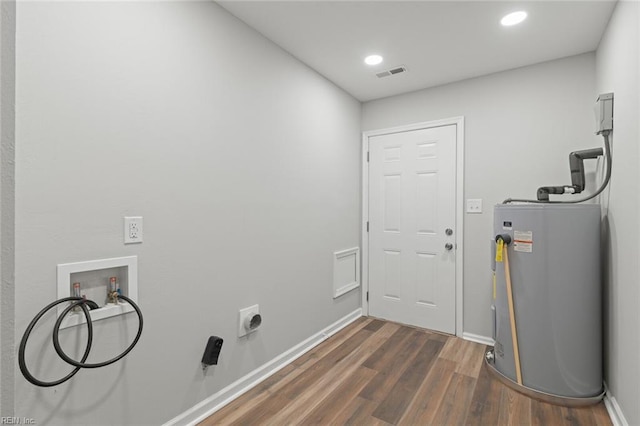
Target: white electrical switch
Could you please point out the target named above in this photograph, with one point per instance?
(133, 230)
(474, 205)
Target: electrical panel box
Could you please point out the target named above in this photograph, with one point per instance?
(604, 113)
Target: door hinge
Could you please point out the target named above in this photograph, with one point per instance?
(367, 156)
(367, 296)
(367, 226)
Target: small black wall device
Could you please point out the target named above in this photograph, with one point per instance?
(212, 351)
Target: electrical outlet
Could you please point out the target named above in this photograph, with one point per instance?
(133, 230)
(249, 320)
(474, 206)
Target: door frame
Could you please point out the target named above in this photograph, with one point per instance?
(459, 197)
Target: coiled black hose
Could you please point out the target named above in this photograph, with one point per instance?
(83, 303)
(81, 364)
(25, 337)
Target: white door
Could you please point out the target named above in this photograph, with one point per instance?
(412, 197)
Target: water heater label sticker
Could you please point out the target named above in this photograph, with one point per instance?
(523, 241)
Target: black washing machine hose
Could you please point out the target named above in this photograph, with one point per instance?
(85, 305)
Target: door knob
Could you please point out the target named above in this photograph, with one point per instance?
(448, 231)
(448, 246)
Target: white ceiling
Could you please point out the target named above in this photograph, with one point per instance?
(438, 41)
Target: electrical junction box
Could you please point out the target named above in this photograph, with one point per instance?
(604, 113)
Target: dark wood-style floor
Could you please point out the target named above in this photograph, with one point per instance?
(378, 373)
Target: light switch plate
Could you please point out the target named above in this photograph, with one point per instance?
(474, 205)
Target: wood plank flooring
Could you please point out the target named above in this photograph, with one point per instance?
(375, 372)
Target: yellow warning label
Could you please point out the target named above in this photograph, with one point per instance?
(499, 245)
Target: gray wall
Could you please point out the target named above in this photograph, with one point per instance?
(242, 161)
(618, 71)
(7, 204)
(520, 126)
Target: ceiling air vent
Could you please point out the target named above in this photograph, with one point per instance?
(392, 71)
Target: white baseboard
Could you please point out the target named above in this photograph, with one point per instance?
(614, 410)
(204, 409)
(484, 340)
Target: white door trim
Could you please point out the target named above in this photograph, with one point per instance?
(459, 123)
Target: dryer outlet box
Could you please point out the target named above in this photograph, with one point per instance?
(249, 320)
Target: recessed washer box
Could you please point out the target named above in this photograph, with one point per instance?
(94, 274)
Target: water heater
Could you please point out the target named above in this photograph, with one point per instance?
(553, 257)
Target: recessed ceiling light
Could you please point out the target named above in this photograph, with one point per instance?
(373, 60)
(514, 18)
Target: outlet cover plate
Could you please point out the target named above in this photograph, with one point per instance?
(474, 205)
(133, 229)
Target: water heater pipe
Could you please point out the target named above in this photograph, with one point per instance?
(607, 154)
(512, 315)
